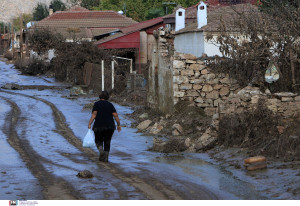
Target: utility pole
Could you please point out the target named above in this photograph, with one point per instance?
(168, 3)
(12, 30)
(21, 37)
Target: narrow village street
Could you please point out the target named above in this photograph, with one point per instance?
(41, 133)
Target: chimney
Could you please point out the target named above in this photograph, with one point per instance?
(180, 19)
(50, 10)
(202, 15)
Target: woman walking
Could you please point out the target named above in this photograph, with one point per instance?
(104, 114)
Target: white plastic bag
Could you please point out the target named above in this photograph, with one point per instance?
(89, 139)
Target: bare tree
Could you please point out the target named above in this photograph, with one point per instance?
(255, 37)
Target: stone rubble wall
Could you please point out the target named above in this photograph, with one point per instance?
(219, 94)
(195, 82)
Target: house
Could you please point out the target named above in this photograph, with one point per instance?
(138, 37)
(80, 23)
(191, 38)
(190, 13)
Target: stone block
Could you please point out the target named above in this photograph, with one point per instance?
(287, 99)
(190, 62)
(196, 81)
(273, 108)
(195, 67)
(176, 72)
(186, 86)
(162, 33)
(197, 86)
(209, 101)
(218, 102)
(224, 91)
(218, 86)
(163, 40)
(197, 74)
(144, 125)
(188, 142)
(207, 88)
(204, 71)
(199, 100)
(179, 94)
(209, 77)
(180, 79)
(297, 99)
(285, 94)
(178, 127)
(213, 95)
(187, 72)
(175, 132)
(177, 64)
(192, 93)
(213, 81)
(254, 99)
(187, 56)
(225, 81)
(156, 129)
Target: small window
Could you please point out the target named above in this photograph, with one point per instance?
(201, 7)
(180, 13)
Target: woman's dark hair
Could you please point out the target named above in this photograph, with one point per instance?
(104, 95)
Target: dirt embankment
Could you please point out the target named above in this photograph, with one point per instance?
(258, 133)
(262, 133)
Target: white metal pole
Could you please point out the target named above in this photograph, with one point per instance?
(130, 66)
(112, 74)
(102, 75)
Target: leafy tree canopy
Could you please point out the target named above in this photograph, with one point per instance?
(58, 5)
(26, 18)
(40, 12)
(139, 10)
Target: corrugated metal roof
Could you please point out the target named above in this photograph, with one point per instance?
(133, 28)
(142, 25)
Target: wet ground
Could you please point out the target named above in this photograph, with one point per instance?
(41, 133)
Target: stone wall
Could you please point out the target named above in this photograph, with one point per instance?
(177, 76)
(195, 82)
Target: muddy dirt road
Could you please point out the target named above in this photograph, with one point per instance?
(41, 155)
(41, 133)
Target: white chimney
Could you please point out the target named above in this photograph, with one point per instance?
(180, 19)
(50, 10)
(202, 15)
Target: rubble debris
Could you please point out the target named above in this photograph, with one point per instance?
(85, 174)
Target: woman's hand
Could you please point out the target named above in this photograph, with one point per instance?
(119, 128)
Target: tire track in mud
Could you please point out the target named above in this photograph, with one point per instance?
(53, 187)
(151, 188)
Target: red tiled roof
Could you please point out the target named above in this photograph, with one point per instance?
(79, 17)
